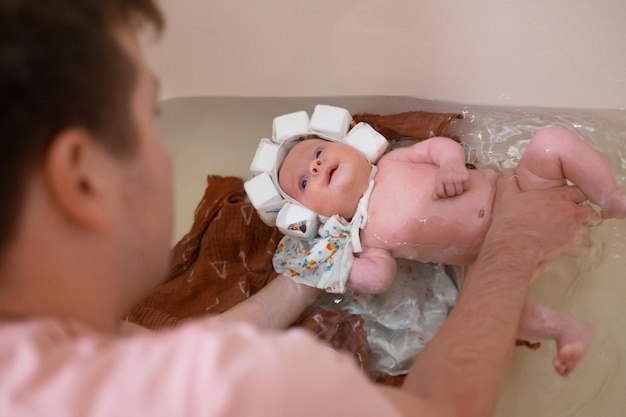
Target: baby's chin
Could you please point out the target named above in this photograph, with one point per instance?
(345, 213)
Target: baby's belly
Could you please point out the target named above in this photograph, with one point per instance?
(404, 219)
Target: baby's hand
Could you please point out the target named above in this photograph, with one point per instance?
(450, 182)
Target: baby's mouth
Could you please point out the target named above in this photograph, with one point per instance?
(331, 172)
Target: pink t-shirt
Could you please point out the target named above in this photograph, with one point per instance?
(204, 368)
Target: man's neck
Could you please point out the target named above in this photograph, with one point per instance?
(57, 283)
(60, 302)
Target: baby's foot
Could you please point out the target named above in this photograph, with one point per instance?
(571, 346)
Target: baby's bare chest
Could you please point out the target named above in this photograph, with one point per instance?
(404, 218)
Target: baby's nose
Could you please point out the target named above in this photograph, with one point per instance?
(315, 166)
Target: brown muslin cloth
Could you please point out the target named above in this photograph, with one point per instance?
(416, 125)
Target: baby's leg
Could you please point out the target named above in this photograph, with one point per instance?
(555, 153)
(572, 337)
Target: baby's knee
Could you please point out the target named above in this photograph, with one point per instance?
(554, 135)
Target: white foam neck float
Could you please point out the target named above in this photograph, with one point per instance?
(273, 205)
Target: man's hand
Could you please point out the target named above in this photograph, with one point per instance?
(548, 222)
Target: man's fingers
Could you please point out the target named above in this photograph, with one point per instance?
(507, 182)
(583, 240)
(575, 194)
(590, 216)
(580, 244)
(508, 173)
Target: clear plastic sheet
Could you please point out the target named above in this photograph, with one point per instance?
(399, 322)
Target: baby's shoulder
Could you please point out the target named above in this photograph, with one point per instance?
(392, 154)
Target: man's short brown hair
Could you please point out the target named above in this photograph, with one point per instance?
(61, 67)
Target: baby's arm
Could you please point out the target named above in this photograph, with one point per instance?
(373, 271)
(452, 177)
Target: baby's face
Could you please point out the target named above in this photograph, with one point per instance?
(326, 177)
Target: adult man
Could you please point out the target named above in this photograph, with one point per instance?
(85, 233)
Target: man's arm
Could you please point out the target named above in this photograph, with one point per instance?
(462, 369)
(275, 306)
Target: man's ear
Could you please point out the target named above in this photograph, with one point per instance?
(76, 177)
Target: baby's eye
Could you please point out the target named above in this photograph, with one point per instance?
(303, 183)
(317, 154)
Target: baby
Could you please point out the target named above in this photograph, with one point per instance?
(427, 206)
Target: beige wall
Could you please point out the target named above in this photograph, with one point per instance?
(559, 53)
